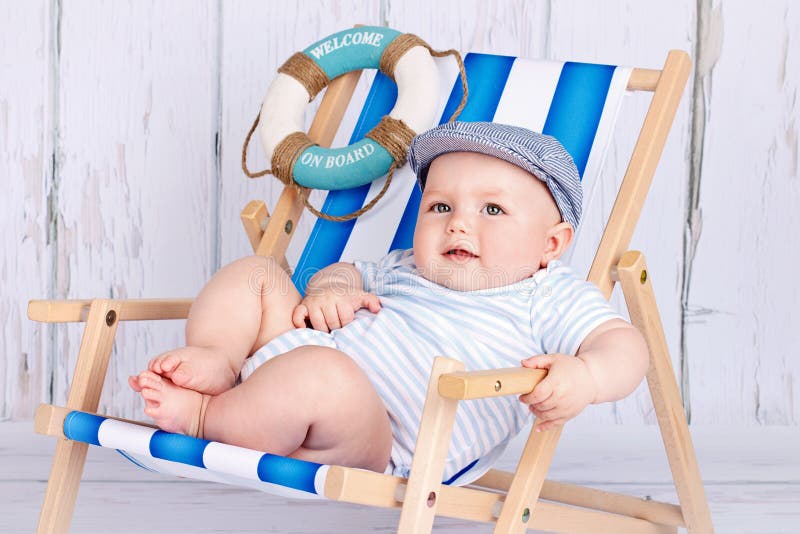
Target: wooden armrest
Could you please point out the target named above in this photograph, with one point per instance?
(67, 311)
(491, 383)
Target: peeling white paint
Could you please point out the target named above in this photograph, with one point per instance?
(141, 207)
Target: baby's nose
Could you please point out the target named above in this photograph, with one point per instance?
(456, 226)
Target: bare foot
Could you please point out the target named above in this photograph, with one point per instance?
(174, 409)
(197, 368)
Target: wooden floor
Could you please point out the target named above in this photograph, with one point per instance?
(752, 478)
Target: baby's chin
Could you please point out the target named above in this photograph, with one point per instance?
(471, 279)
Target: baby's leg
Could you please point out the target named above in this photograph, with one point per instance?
(243, 306)
(312, 403)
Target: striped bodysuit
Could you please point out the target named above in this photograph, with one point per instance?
(551, 312)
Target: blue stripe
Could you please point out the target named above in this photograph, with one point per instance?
(404, 236)
(288, 472)
(486, 76)
(79, 426)
(454, 477)
(178, 448)
(328, 239)
(135, 462)
(577, 105)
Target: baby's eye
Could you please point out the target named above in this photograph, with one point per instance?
(440, 207)
(493, 209)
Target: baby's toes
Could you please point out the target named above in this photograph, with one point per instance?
(180, 376)
(155, 364)
(150, 380)
(169, 362)
(152, 409)
(152, 403)
(133, 382)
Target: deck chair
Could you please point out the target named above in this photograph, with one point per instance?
(576, 103)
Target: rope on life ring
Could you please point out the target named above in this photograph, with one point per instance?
(294, 154)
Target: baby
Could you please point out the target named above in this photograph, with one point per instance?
(482, 284)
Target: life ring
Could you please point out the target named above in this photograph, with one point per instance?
(294, 158)
(307, 72)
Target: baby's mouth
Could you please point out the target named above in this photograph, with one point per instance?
(460, 254)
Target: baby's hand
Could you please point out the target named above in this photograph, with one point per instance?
(564, 392)
(333, 309)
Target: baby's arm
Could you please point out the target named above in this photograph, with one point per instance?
(608, 366)
(333, 295)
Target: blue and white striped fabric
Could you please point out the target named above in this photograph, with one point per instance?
(576, 103)
(188, 457)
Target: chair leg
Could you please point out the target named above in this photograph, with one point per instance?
(664, 390)
(425, 481)
(84, 395)
(523, 494)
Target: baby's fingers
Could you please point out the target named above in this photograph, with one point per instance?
(317, 319)
(370, 301)
(548, 404)
(542, 392)
(346, 313)
(540, 361)
(299, 316)
(332, 316)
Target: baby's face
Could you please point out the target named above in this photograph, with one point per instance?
(482, 223)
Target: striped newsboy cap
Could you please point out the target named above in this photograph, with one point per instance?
(541, 155)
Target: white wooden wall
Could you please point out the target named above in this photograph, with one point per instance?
(120, 133)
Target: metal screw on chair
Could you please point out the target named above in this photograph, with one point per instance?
(497, 386)
(288, 227)
(431, 499)
(643, 277)
(526, 514)
(111, 316)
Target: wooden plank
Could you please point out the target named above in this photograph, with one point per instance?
(639, 174)
(624, 32)
(644, 79)
(374, 489)
(84, 394)
(49, 420)
(511, 28)
(420, 503)
(490, 383)
(741, 300)
(521, 502)
(638, 289)
(64, 311)
(254, 217)
(137, 202)
(738, 509)
(26, 241)
(586, 497)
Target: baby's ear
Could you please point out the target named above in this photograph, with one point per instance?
(557, 241)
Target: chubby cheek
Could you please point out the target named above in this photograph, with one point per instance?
(518, 257)
(424, 246)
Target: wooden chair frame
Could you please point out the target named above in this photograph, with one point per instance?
(514, 501)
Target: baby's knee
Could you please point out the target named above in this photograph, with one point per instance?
(255, 263)
(325, 369)
(258, 272)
